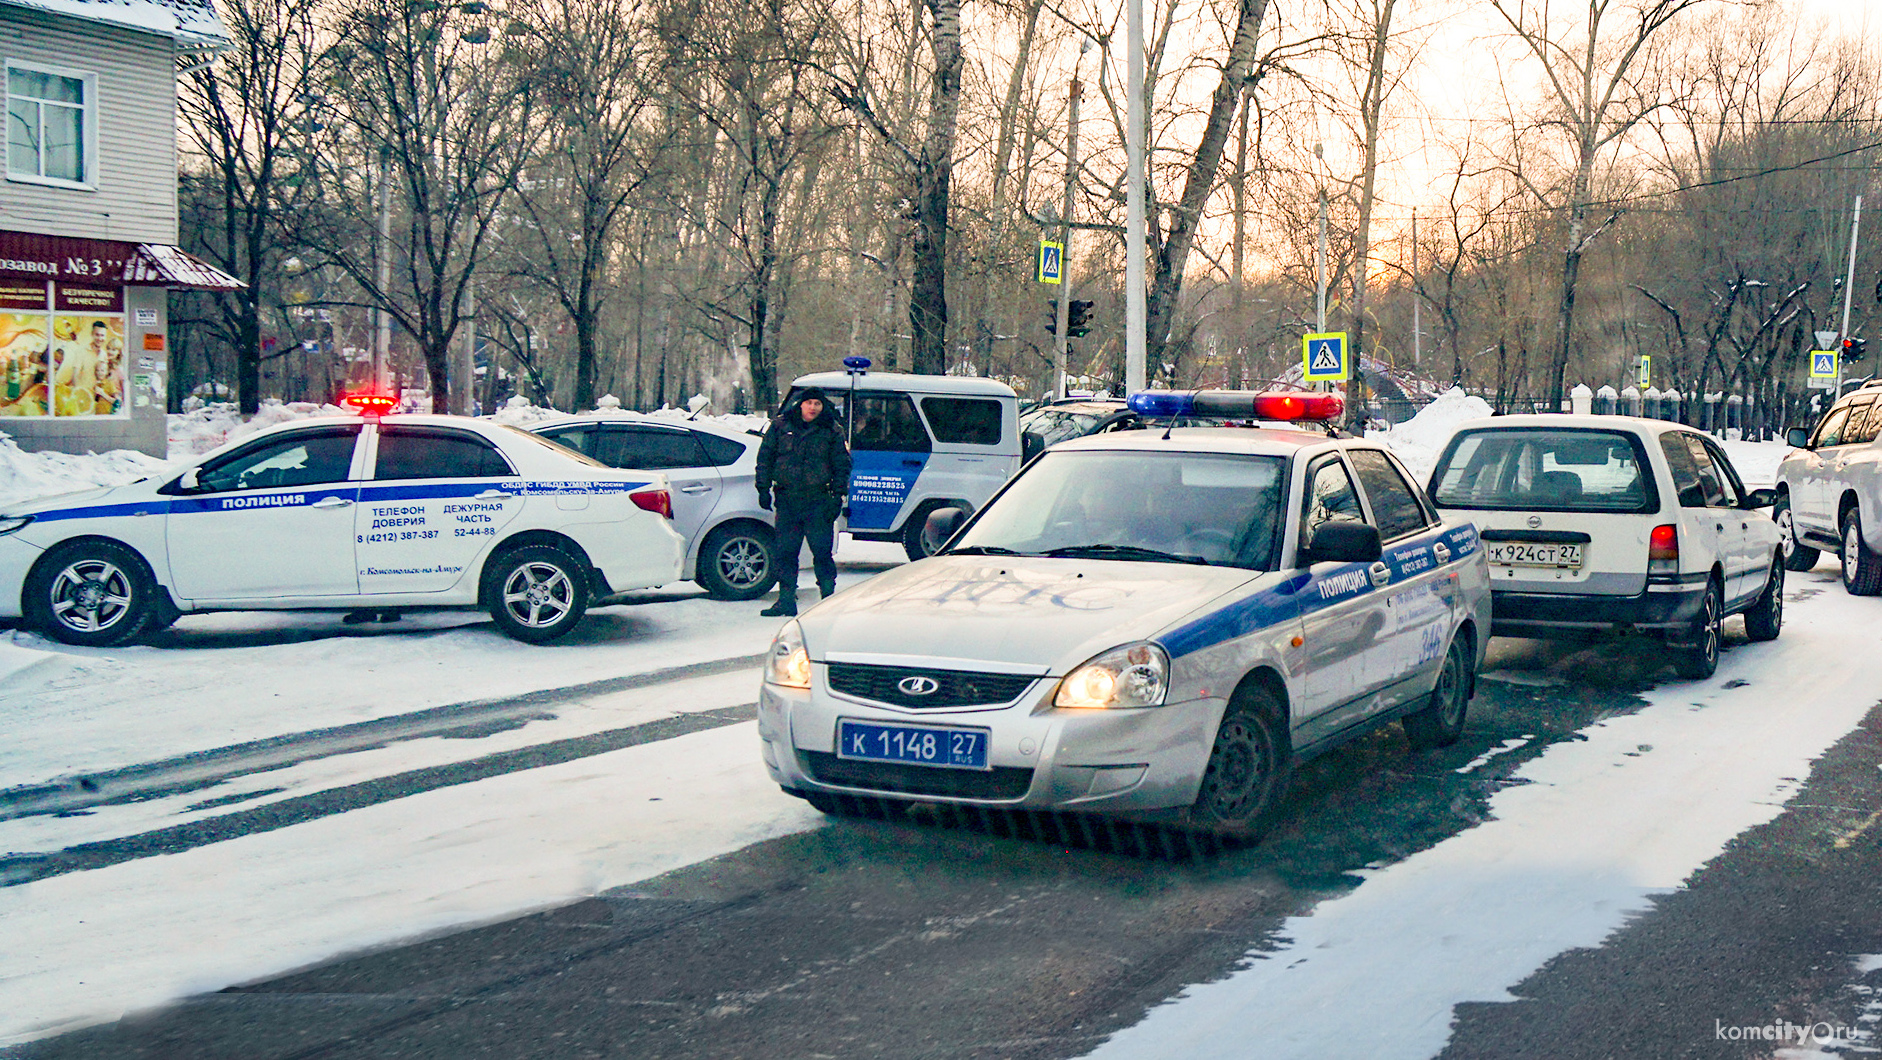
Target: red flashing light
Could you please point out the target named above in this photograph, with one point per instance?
(1663, 543)
(373, 405)
(1286, 405)
(660, 502)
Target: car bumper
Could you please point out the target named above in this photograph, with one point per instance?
(1657, 609)
(1145, 763)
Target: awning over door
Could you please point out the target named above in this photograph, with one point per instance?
(107, 263)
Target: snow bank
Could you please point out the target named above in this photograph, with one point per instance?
(26, 476)
(205, 427)
(520, 413)
(1418, 440)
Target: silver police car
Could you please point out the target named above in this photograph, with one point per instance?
(1154, 624)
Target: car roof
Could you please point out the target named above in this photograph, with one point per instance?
(1099, 406)
(639, 420)
(1546, 421)
(914, 384)
(1241, 441)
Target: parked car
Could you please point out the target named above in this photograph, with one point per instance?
(710, 469)
(1594, 524)
(344, 514)
(919, 443)
(1154, 626)
(1061, 421)
(1829, 491)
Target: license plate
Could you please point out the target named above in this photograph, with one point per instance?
(1534, 554)
(920, 745)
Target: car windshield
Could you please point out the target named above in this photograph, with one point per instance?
(1543, 469)
(1057, 425)
(1175, 507)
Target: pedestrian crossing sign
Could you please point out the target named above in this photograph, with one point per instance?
(1051, 262)
(1823, 364)
(1323, 358)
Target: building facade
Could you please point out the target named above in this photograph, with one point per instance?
(88, 217)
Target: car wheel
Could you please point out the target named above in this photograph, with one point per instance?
(735, 562)
(1699, 659)
(1862, 569)
(1797, 555)
(1766, 617)
(536, 593)
(1247, 772)
(1441, 723)
(90, 593)
(911, 530)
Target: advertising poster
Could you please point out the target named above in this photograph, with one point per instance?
(89, 376)
(25, 354)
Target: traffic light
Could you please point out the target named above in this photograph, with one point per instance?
(1052, 316)
(1078, 318)
(1853, 349)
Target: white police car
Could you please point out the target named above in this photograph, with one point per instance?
(1147, 623)
(344, 513)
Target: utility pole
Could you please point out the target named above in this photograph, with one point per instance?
(467, 361)
(1849, 279)
(1065, 241)
(1135, 308)
(1320, 257)
(382, 341)
(1418, 335)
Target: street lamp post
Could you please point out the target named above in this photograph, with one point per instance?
(1135, 346)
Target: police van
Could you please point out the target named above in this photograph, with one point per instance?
(919, 443)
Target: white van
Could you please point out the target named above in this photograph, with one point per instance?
(917, 443)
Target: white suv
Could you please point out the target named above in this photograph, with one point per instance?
(1829, 491)
(1596, 524)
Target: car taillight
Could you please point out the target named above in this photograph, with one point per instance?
(660, 502)
(1663, 550)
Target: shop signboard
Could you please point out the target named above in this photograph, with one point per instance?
(62, 350)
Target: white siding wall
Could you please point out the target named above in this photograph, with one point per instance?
(135, 166)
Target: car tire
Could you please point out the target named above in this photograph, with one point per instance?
(1862, 569)
(1248, 770)
(94, 594)
(1766, 618)
(912, 529)
(1442, 722)
(1699, 659)
(735, 562)
(536, 593)
(1797, 555)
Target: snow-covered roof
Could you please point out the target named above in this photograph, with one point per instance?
(189, 22)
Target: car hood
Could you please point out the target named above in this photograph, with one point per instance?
(77, 499)
(1034, 614)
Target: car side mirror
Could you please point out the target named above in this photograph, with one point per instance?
(1760, 498)
(1797, 438)
(1343, 542)
(1030, 445)
(941, 525)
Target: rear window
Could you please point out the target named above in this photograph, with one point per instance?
(1551, 470)
(963, 421)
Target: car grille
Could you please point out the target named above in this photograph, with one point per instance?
(1001, 782)
(952, 688)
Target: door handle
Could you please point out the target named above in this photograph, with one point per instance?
(325, 502)
(911, 463)
(697, 487)
(488, 495)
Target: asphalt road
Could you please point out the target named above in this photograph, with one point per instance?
(998, 936)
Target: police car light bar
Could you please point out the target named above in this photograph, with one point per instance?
(374, 405)
(1287, 405)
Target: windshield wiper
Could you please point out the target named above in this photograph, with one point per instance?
(980, 550)
(1102, 551)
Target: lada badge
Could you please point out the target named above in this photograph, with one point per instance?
(918, 685)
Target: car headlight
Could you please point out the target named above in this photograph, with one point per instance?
(1134, 675)
(788, 664)
(10, 523)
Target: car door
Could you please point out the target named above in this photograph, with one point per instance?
(1702, 537)
(437, 498)
(1342, 617)
(673, 451)
(1752, 537)
(889, 450)
(1811, 504)
(1419, 601)
(271, 520)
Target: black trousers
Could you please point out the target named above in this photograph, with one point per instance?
(804, 520)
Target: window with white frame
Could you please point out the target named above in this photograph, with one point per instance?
(48, 124)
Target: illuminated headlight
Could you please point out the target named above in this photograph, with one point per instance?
(10, 523)
(788, 664)
(1135, 675)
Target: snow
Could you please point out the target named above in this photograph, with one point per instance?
(191, 21)
(28, 476)
(1563, 861)
(1419, 440)
(203, 427)
(520, 413)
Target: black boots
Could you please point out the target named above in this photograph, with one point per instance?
(780, 609)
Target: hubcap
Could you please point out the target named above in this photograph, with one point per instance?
(538, 594)
(1786, 532)
(1852, 543)
(1711, 642)
(743, 562)
(90, 596)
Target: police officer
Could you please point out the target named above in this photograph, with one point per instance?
(805, 466)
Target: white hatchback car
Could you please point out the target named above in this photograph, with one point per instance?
(711, 470)
(1614, 523)
(348, 514)
(1142, 624)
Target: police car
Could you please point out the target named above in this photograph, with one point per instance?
(1154, 624)
(344, 513)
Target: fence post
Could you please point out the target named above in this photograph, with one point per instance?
(1605, 400)
(1670, 406)
(1581, 400)
(1630, 402)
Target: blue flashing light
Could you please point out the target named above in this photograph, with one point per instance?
(856, 365)
(1163, 402)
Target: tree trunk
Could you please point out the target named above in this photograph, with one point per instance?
(934, 177)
